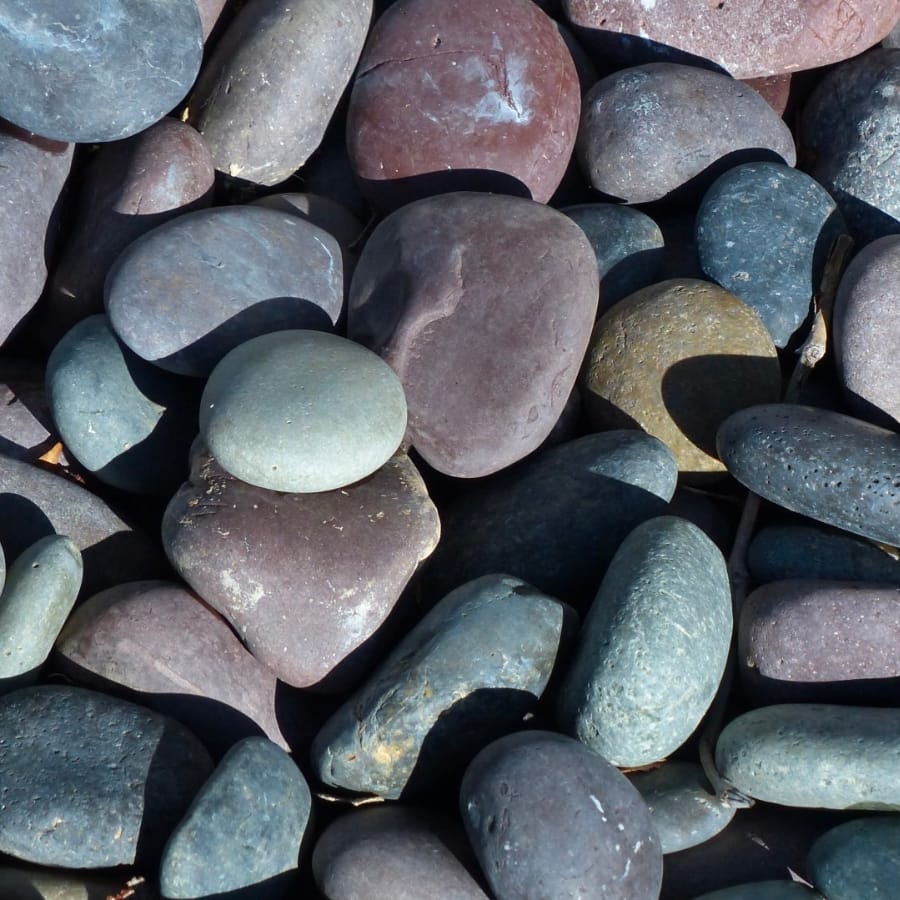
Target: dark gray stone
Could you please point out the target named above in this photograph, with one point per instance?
(653, 646)
(465, 674)
(243, 829)
(91, 781)
(763, 233)
(764, 890)
(819, 463)
(116, 66)
(550, 819)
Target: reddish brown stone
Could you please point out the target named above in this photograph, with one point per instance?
(774, 89)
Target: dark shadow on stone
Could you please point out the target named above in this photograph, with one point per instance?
(604, 415)
(8, 685)
(866, 222)
(22, 523)
(864, 409)
(763, 690)
(375, 321)
(637, 270)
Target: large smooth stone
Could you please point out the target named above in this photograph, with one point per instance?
(483, 305)
(91, 781)
(557, 519)
(653, 646)
(764, 890)
(763, 232)
(462, 96)
(273, 82)
(305, 579)
(392, 851)
(867, 332)
(465, 674)
(549, 818)
(819, 463)
(135, 431)
(648, 130)
(849, 135)
(821, 642)
(676, 359)
(857, 860)
(302, 411)
(191, 290)
(244, 827)
(815, 755)
(157, 639)
(116, 66)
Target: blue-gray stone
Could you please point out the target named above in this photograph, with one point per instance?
(814, 755)
(244, 828)
(90, 781)
(764, 890)
(822, 464)
(858, 860)
(122, 418)
(465, 674)
(96, 70)
(628, 244)
(653, 646)
(763, 233)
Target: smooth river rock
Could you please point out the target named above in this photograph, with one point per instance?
(822, 464)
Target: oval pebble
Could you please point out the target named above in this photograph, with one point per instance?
(549, 818)
(653, 646)
(822, 464)
(302, 411)
(814, 755)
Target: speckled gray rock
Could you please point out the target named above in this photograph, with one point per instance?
(648, 130)
(550, 820)
(302, 412)
(683, 807)
(764, 890)
(122, 777)
(273, 82)
(122, 418)
(556, 520)
(822, 464)
(116, 66)
(628, 245)
(194, 288)
(244, 827)
(857, 860)
(38, 594)
(849, 135)
(763, 233)
(867, 332)
(815, 755)
(778, 552)
(464, 675)
(653, 646)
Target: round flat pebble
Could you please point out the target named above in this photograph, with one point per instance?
(676, 359)
(549, 818)
(764, 890)
(763, 233)
(814, 755)
(244, 827)
(649, 130)
(867, 333)
(822, 464)
(194, 288)
(302, 411)
(121, 777)
(116, 66)
(653, 646)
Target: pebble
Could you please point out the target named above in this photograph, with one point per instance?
(593, 837)
(649, 130)
(188, 292)
(116, 68)
(333, 412)
(676, 359)
(485, 348)
(763, 232)
(98, 754)
(822, 464)
(653, 646)
(465, 674)
(764, 890)
(814, 755)
(244, 827)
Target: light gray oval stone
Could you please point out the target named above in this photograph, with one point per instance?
(302, 411)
